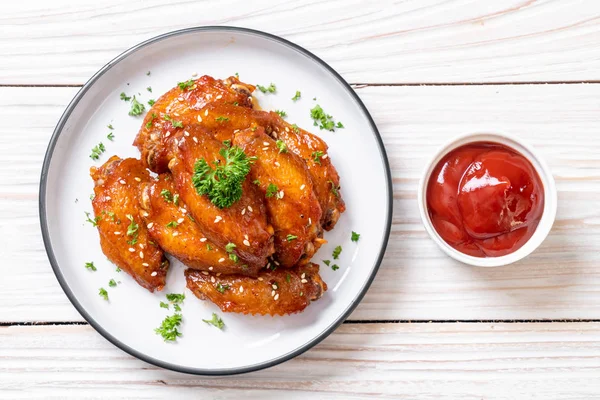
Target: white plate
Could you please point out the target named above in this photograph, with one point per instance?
(129, 318)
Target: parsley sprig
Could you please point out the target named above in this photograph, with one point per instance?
(270, 89)
(297, 96)
(168, 329)
(216, 321)
(97, 151)
(137, 108)
(223, 184)
(323, 120)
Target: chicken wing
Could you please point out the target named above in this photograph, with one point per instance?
(123, 236)
(179, 108)
(278, 292)
(292, 206)
(244, 224)
(176, 232)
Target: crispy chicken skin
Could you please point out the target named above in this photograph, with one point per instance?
(183, 105)
(176, 232)
(244, 224)
(279, 292)
(293, 210)
(117, 188)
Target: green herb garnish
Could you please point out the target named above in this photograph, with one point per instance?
(296, 96)
(335, 267)
(355, 236)
(166, 194)
(281, 146)
(110, 136)
(124, 97)
(316, 156)
(281, 113)
(221, 119)
(149, 89)
(322, 119)
(164, 305)
(137, 108)
(185, 85)
(172, 224)
(151, 102)
(112, 283)
(222, 288)
(90, 265)
(215, 321)
(270, 89)
(168, 328)
(336, 252)
(149, 123)
(291, 237)
(272, 190)
(176, 124)
(97, 151)
(103, 293)
(94, 221)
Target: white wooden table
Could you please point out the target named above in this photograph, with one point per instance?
(429, 328)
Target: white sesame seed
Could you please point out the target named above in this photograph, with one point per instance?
(150, 225)
(203, 240)
(260, 278)
(324, 156)
(180, 98)
(107, 197)
(287, 129)
(117, 233)
(195, 74)
(265, 148)
(236, 131)
(180, 220)
(272, 293)
(210, 268)
(265, 143)
(218, 218)
(154, 273)
(274, 286)
(212, 279)
(302, 187)
(246, 237)
(131, 249)
(281, 194)
(206, 113)
(246, 242)
(175, 233)
(218, 274)
(219, 96)
(137, 179)
(303, 275)
(142, 255)
(277, 163)
(145, 264)
(221, 259)
(309, 220)
(199, 118)
(241, 289)
(168, 134)
(122, 181)
(205, 273)
(195, 139)
(304, 281)
(144, 214)
(268, 265)
(249, 208)
(275, 262)
(186, 133)
(276, 297)
(142, 245)
(244, 211)
(183, 210)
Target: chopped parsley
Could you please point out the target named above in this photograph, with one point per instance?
(176, 124)
(229, 249)
(103, 293)
(97, 151)
(151, 102)
(227, 143)
(112, 283)
(223, 184)
(281, 146)
(137, 108)
(221, 119)
(90, 265)
(215, 321)
(334, 189)
(164, 305)
(190, 217)
(235, 103)
(132, 230)
(110, 136)
(149, 89)
(168, 328)
(296, 128)
(336, 252)
(172, 224)
(326, 262)
(208, 247)
(335, 267)
(149, 123)
(176, 298)
(176, 307)
(222, 288)
(287, 278)
(316, 156)
(124, 97)
(281, 113)
(291, 237)
(297, 96)
(256, 182)
(323, 120)
(148, 73)
(118, 269)
(270, 89)
(176, 199)
(109, 126)
(166, 194)
(272, 190)
(185, 85)
(355, 236)
(94, 221)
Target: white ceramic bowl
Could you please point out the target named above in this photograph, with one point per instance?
(550, 198)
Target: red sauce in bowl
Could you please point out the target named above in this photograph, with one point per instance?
(485, 199)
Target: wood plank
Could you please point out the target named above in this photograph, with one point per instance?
(384, 361)
(65, 42)
(416, 281)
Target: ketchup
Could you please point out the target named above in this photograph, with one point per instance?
(485, 199)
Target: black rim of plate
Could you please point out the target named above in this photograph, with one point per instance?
(90, 319)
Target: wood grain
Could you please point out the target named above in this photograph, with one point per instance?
(359, 361)
(367, 42)
(416, 281)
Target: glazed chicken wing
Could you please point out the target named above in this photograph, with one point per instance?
(176, 232)
(292, 206)
(123, 235)
(278, 292)
(244, 224)
(179, 108)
